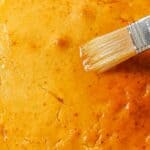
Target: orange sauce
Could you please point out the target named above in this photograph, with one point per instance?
(47, 101)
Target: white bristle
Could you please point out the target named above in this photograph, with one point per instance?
(107, 51)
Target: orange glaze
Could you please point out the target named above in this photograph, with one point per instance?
(47, 101)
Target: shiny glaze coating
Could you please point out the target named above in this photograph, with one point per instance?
(47, 101)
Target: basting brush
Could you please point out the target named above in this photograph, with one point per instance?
(107, 51)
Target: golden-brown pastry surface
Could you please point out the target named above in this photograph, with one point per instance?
(47, 101)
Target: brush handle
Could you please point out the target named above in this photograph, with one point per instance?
(140, 34)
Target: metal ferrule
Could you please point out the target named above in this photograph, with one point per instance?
(140, 34)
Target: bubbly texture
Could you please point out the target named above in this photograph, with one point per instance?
(47, 100)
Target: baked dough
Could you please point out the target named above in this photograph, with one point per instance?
(47, 100)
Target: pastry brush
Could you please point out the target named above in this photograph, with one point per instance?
(107, 51)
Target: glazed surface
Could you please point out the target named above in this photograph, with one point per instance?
(47, 100)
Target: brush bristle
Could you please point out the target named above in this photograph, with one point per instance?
(107, 51)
